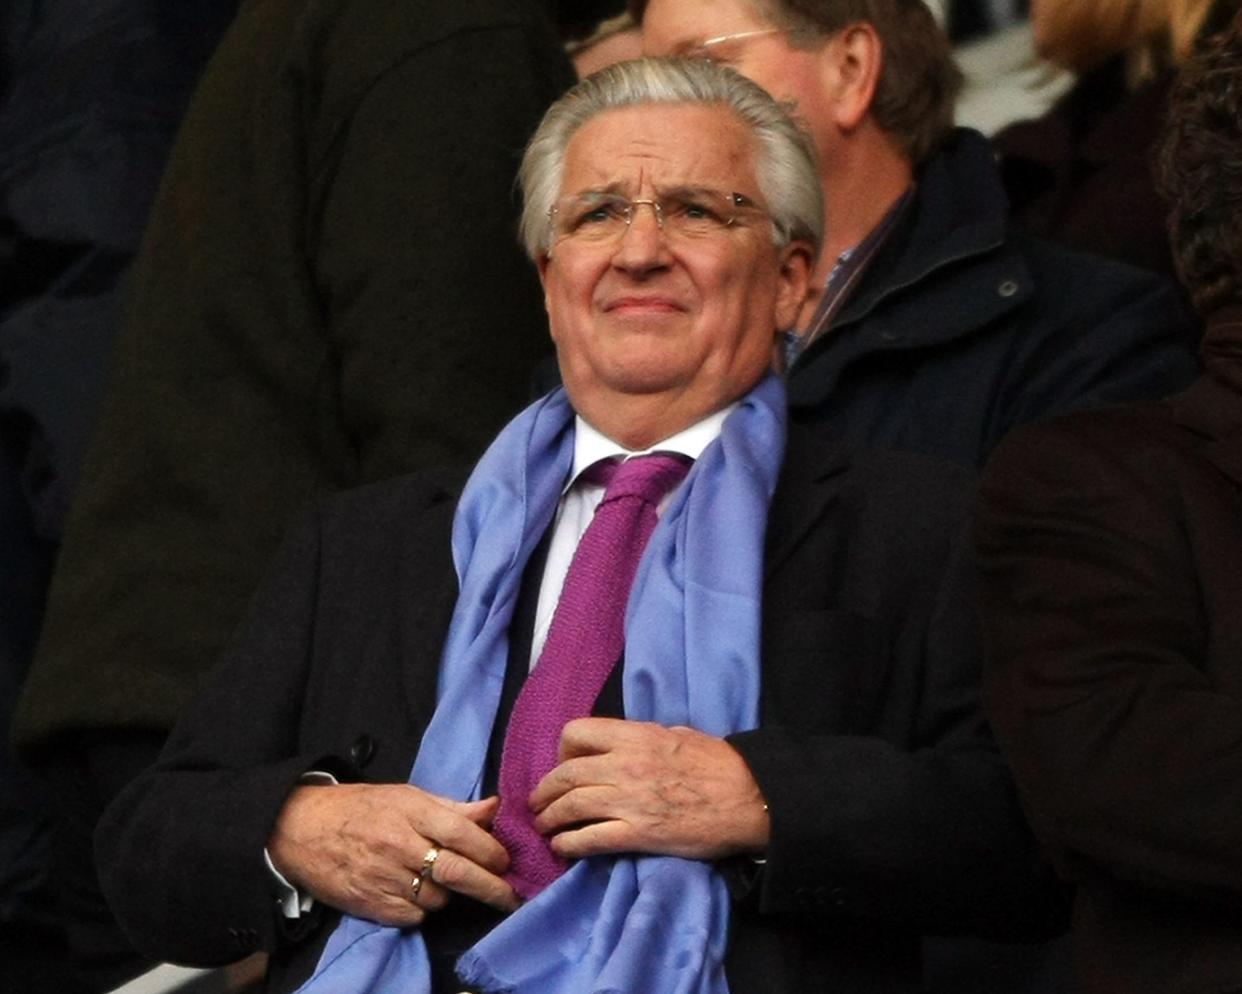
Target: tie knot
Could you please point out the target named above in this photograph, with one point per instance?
(647, 477)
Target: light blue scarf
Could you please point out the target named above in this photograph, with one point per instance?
(610, 924)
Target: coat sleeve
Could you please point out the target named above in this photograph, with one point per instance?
(180, 851)
(912, 819)
(1107, 685)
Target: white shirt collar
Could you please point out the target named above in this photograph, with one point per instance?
(590, 445)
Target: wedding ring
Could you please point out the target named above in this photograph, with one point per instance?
(429, 861)
(415, 886)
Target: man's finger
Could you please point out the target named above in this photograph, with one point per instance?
(591, 736)
(456, 873)
(431, 896)
(395, 910)
(596, 839)
(481, 812)
(445, 826)
(580, 805)
(571, 774)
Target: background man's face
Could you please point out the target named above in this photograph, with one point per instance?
(689, 323)
(679, 27)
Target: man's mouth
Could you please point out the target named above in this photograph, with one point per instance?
(642, 304)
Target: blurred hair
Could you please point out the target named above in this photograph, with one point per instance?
(1154, 34)
(785, 164)
(919, 82)
(1201, 171)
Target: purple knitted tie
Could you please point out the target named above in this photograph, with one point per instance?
(584, 643)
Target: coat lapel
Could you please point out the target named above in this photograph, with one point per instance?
(809, 484)
(427, 594)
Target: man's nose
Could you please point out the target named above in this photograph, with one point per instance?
(642, 245)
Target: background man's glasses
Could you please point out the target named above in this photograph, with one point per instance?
(685, 214)
(713, 48)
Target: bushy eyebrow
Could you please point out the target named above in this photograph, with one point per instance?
(614, 189)
(617, 189)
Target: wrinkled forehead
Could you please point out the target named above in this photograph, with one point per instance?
(657, 147)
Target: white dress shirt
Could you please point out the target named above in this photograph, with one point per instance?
(579, 500)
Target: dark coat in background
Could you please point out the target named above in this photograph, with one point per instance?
(961, 329)
(1111, 547)
(330, 292)
(90, 99)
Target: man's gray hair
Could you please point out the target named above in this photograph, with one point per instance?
(784, 163)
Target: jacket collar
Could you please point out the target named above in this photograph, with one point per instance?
(959, 211)
(424, 621)
(1212, 407)
(946, 270)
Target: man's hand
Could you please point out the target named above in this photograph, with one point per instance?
(629, 786)
(358, 847)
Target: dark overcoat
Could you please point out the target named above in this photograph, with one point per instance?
(892, 812)
(1112, 582)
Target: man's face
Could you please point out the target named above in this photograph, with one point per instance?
(687, 324)
(752, 46)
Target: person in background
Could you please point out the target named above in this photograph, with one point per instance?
(752, 760)
(89, 106)
(1111, 574)
(931, 326)
(1083, 173)
(328, 292)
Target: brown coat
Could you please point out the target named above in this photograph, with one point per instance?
(1112, 576)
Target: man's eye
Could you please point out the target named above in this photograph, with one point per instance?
(696, 211)
(599, 214)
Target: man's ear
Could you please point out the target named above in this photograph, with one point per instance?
(796, 261)
(541, 265)
(855, 58)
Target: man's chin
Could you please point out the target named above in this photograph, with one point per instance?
(645, 381)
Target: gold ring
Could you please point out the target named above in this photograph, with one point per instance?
(429, 861)
(415, 886)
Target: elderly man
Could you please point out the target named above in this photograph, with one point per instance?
(786, 779)
(931, 326)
